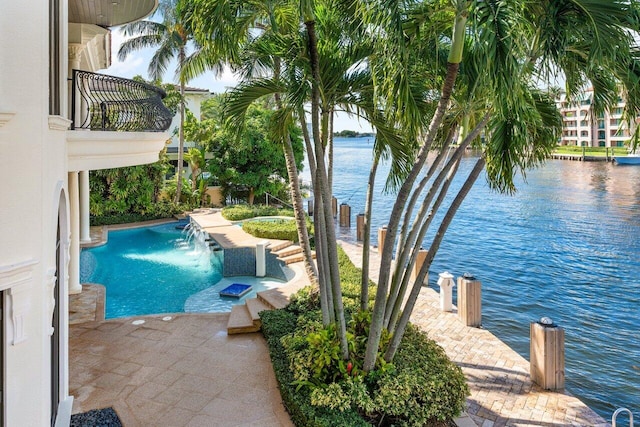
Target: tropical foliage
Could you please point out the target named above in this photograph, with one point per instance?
(423, 74)
(114, 200)
(245, 161)
(172, 40)
(421, 388)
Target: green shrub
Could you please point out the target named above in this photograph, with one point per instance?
(282, 229)
(240, 212)
(154, 211)
(276, 324)
(422, 387)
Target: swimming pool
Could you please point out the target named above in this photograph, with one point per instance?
(158, 269)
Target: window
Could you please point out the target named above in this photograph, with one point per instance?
(614, 122)
(619, 144)
(55, 97)
(617, 111)
(601, 134)
(600, 124)
(584, 133)
(584, 123)
(601, 143)
(586, 101)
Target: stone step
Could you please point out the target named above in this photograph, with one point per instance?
(298, 257)
(275, 247)
(273, 298)
(288, 251)
(255, 306)
(240, 321)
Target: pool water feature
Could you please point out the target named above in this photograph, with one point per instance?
(157, 269)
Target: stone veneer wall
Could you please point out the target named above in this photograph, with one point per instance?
(242, 262)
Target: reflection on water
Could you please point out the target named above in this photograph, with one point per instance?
(565, 246)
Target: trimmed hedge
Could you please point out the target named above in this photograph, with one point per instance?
(282, 229)
(422, 387)
(156, 211)
(240, 212)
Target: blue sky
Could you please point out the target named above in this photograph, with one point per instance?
(138, 62)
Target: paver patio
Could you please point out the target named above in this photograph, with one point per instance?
(185, 371)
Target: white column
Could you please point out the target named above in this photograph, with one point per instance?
(85, 234)
(74, 250)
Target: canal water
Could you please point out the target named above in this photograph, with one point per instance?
(566, 246)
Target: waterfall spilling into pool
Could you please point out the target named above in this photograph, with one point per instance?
(162, 269)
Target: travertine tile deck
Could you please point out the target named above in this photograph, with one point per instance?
(185, 371)
(502, 393)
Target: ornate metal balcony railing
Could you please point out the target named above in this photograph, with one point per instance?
(107, 103)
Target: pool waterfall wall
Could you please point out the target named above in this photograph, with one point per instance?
(242, 262)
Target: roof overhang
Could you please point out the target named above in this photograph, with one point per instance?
(109, 13)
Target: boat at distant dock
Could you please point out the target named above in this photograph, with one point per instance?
(630, 159)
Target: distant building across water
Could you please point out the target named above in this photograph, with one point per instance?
(582, 128)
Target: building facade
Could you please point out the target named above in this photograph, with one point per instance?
(58, 121)
(582, 129)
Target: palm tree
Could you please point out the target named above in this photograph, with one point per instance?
(589, 41)
(170, 37)
(243, 31)
(504, 46)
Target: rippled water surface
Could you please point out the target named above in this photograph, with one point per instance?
(566, 245)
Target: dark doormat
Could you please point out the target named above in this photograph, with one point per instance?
(106, 417)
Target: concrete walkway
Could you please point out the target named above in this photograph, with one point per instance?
(174, 371)
(502, 393)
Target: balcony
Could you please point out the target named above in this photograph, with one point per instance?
(115, 122)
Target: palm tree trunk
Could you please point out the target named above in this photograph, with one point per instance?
(377, 319)
(296, 196)
(181, 59)
(326, 303)
(330, 152)
(422, 226)
(366, 241)
(435, 244)
(410, 241)
(324, 191)
(298, 210)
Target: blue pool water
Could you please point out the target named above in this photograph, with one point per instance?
(154, 270)
(566, 245)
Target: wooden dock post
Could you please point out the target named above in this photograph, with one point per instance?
(360, 227)
(470, 300)
(382, 233)
(422, 254)
(345, 215)
(334, 206)
(547, 355)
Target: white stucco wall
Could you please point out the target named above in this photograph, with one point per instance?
(33, 174)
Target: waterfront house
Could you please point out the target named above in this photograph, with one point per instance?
(58, 120)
